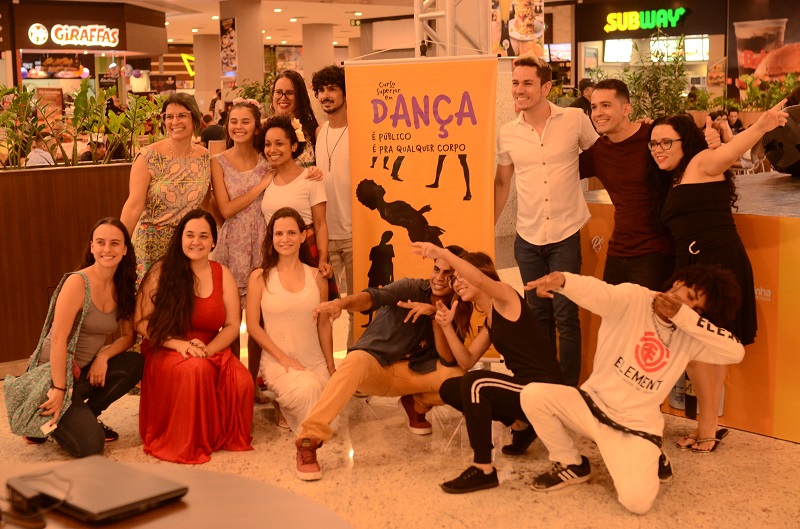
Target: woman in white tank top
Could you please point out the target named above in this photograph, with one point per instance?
(298, 359)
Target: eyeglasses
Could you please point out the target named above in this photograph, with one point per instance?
(454, 279)
(179, 115)
(289, 94)
(665, 144)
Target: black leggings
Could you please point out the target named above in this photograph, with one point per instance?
(484, 396)
(78, 432)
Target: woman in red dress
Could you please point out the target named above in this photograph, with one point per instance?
(196, 396)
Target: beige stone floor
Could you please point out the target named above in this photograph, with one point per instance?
(376, 474)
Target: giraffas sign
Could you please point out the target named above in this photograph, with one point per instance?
(649, 19)
(69, 35)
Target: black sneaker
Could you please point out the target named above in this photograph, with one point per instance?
(471, 480)
(109, 434)
(664, 468)
(560, 476)
(520, 441)
(35, 440)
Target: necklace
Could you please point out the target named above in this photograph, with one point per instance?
(330, 152)
(668, 327)
(172, 153)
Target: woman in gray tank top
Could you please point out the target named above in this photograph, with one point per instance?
(102, 373)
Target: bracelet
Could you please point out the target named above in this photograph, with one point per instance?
(53, 386)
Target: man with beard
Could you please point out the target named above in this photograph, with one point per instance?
(333, 159)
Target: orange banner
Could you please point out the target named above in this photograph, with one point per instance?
(421, 159)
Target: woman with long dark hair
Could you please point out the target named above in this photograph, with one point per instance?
(101, 373)
(284, 291)
(196, 396)
(699, 194)
(290, 98)
(168, 179)
(485, 395)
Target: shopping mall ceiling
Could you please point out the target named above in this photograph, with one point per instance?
(185, 19)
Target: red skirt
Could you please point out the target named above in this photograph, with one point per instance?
(192, 407)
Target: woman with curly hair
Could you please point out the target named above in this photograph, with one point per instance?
(485, 395)
(290, 98)
(196, 396)
(101, 373)
(699, 195)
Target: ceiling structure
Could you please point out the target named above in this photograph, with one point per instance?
(184, 17)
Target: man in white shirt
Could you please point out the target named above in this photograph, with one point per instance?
(541, 146)
(333, 159)
(644, 343)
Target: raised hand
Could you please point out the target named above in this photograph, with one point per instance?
(426, 250)
(444, 316)
(416, 309)
(666, 305)
(773, 118)
(713, 139)
(546, 284)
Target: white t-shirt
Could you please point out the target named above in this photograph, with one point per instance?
(300, 194)
(333, 150)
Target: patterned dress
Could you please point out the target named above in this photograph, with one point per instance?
(242, 236)
(177, 186)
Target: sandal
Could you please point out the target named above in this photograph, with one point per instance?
(721, 434)
(280, 420)
(685, 438)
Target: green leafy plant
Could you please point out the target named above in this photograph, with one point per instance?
(23, 117)
(260, 91)
(763, 95)
(20, 121)
(657, 80)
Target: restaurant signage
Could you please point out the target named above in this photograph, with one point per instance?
(650, 19)
(69, 35)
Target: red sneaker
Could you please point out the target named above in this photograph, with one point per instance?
(307, 466)
(416, 421)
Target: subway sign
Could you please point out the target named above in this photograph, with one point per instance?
(650, 19)
(69, 35)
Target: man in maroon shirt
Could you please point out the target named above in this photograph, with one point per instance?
(640, 249)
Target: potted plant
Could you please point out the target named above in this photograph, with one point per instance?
(657, 80)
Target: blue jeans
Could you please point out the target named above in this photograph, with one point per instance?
(559, 313)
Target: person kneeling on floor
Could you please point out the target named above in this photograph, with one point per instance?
(401, 354)
(644, 343)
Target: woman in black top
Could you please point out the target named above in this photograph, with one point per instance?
(484, 395)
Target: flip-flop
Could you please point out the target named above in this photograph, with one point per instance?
(721, 434)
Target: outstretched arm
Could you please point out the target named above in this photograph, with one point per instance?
(503, 295)
(711, 163)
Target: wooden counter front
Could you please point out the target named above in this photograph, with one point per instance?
(45, 218)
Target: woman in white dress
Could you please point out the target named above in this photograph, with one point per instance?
(298, 359)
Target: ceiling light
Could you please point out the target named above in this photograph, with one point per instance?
(283, 42)
(335, 43)
(101, 55)
(215, 17)
(268, 37)
(277, 10)
(166, 23)
(195, 30)
(358, 13)
(292, 20)
(263, 31)
(170, 40)
(85, 52)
